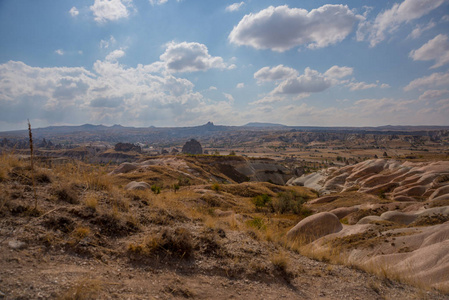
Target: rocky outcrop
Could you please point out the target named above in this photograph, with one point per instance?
(135, 185)
(192, 147)
(314, 227)
(391, 179)
(126, 147)
(125, 168)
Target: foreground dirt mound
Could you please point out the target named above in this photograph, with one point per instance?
(85, 236)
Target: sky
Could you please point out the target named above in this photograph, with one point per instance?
(172, 63)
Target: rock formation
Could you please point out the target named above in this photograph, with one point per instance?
(396, 180)
(314, 227)
(192, 147)
(126, 147)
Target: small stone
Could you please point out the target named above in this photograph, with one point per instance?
(14, 244)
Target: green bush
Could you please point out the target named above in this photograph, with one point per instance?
(261, 201)
(257, 223)
(156, 189)
(216, 187)
(288, 202)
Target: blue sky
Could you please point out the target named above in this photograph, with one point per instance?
(184, 63)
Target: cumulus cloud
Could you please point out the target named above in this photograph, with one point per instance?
(429, 82)
(74, 11)
(433, 94)
(109, 10)
(436, 49)
(338, 72)
(390, 20)
(109, 94)
(419, 29)
(234, 6)
(282, 28)
(310, 82)
(229, 97)
(240, 85)
(357, 86)
(279, 72)
(114, 55)
(384, 105)
(190, 57)
(158, 2)
(59, 52)
(290, 83)
(268, 99)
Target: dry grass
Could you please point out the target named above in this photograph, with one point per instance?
(84, 289)
(80, 233)
(91, 201)
(169, 243)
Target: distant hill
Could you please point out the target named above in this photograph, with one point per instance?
(257, 124)
(214, 135)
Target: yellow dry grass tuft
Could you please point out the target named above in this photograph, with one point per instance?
(84, 289)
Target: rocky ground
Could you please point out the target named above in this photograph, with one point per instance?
(78, 233)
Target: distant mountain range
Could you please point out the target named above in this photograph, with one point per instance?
(209, 131)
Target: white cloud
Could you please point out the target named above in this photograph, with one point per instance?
(109, 10)
(276, 73)
(107, 43)
(436, 49)
(390, 20)
(229, 97)
(428, 82)
(310, 82)
(110, 94)
(384, 105)
(357, 86)
(234, 6)
(385, 86)
(419, 29)
(338, 72)
(282, 28)
(59, 52)
(158, 2)
(212, 88)
(74, 11)
(190, 57)
(302, 86)
(114, 55)
(240, 85)
(269, 99)
(433, 94)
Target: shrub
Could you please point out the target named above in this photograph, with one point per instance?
(288, 202)
(216, 187)
(257, 223)
(67, 194)
(261, 201)
(156, 189)
(80, 233)
(175, 187)
(174, 243)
